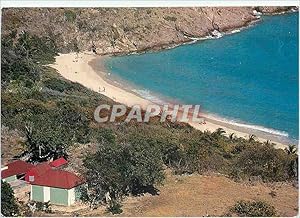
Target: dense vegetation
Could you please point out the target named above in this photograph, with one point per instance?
(130, 158)
(9, 205)
(253, 209)
(119, 169)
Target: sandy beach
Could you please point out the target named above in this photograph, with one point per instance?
(82, 70)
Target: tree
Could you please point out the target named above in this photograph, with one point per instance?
(219, 132)
(291, 149)
(19, 57)
(9, 205)
(231, 136)
(118, 169)
(252, 138)
(50, 133)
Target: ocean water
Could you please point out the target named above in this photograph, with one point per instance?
(249, 78)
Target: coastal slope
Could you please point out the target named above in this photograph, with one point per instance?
(126, 30)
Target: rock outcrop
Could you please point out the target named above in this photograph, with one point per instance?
(124, 30)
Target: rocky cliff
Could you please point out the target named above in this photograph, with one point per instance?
(124, 30)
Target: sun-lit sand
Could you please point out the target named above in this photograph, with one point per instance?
(79, 69)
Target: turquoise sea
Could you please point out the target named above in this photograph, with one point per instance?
(249, 78)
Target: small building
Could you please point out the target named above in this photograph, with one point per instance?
(15, 169)
(47, 182)
(36, 171)
(58, 162)
(57, 186)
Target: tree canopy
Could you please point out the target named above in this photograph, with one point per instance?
(9, 206)
(116, 170)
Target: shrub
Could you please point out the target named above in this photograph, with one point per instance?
(9, 205)
(253, 209)
(70, 15)
(61, 85)
(170, 18)
(264, 161)
(114, 207)
(43, 206)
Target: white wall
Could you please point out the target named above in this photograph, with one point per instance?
(30, 192)
(71, 196)
(46, 194)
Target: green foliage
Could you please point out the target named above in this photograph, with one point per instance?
(114, 207)
(104, 135)
(185, 150)
(170, 18)
(219, 132)
(25, 210)
(252, 138)
(14, 66)
(9, 205)
(188, 151)
(70, 15)
(116, 170)
(20, 59)
(50, 133)
(253, 209)
(33, 102)
(263, 161)
(291, 149)
(61, 85)
(43, 206)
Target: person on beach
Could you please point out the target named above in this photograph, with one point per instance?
(203, 122)
(99, 90)
(94, 48)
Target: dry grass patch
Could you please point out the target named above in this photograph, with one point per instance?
(212, 195)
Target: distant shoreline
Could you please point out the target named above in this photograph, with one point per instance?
(94, 76)
(85, 72)
(98, 67)
(259, 131)
(190, 40)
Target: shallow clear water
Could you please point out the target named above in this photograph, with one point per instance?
(250, 77)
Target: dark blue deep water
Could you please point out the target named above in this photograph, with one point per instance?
(249, 77)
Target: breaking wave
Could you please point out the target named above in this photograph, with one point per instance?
(153, 98)
(248, 126)
(146, 94)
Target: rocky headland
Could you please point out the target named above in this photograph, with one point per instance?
(127, 30)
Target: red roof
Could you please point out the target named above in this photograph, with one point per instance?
(16, 168)
(58, 179)
(37, 171)
(58, 162)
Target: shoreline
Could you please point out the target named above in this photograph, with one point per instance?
(93, 76)
(191, 40)
(216, 121)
